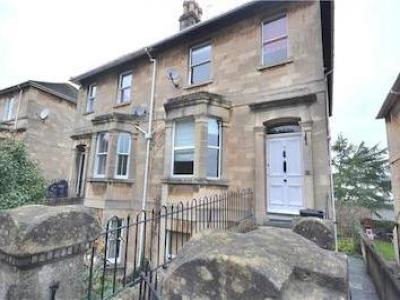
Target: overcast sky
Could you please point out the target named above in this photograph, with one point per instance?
(55, 39)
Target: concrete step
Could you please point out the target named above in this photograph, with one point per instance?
(279, 220)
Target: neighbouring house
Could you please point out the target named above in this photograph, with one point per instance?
(41, 115)
(240, 100)
(390, 111)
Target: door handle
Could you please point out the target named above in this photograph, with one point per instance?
(284, 166)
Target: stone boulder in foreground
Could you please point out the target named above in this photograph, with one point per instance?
(267, 263)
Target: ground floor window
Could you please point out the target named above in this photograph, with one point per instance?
(101, 154)
(213, 148)
(123, 155)
(183, 156)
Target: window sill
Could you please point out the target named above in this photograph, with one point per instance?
(200, 84)
(122, 104)
(110, 180)
(195, 181)
(278, 64)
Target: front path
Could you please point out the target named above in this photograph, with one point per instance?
(361, 286)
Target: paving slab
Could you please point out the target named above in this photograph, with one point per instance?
(361, 286)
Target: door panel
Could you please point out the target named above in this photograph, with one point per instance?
(284, 173)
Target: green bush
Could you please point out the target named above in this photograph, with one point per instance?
(21, 182)
(348, 245)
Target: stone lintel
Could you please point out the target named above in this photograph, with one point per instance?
(291, 101)
(114, 117)
(197, 99)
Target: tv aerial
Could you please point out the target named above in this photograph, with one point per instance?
(173, 76)
(44, 114)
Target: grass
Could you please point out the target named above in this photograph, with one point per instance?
(385, 249)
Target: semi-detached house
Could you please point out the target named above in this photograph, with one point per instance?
(240, 100)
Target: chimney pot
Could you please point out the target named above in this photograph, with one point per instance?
(191, 14)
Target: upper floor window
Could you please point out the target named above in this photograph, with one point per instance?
(123, 153)
(91, 97)
(9, 109)
(101, 154)
(200, 64)
(213, 148)
(124, 88)
(183, 154)
(274, 41)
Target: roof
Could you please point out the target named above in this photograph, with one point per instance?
(392, 98)
(61, 90)
(224, 19)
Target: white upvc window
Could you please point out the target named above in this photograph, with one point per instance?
(274, 41)
(200, 63)
(101, 155)
(114, 240)
(124, 88)
(123, 155)
(183, 148)
(91, 97)
(214, 149)
(9, 109)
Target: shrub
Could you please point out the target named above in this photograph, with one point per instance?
(21, 182)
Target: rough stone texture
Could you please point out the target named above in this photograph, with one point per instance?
(319, 231)
(42, 246)
(267, 263)
(245, 226)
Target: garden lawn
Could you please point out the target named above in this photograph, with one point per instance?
(385, 249)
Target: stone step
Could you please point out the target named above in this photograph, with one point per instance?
(279, 220)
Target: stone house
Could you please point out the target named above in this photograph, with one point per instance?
(390, 111)
(240, 100)
(41, 114)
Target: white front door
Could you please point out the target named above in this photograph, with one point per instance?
(284, 173)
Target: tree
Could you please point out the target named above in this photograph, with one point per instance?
(21, 182)
(361, 174)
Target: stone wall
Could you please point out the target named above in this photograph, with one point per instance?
(42, 251)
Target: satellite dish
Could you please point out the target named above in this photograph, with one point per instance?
(139, 111)
(44, 114)
(173, 75)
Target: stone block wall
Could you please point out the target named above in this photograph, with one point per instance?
(42, 251)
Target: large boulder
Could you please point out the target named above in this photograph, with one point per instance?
(266, 263)
(320, 231)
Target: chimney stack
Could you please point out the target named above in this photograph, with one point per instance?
(191, 14)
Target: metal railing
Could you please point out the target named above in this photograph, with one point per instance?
(133, 252)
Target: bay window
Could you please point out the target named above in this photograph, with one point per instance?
(183, 154)
(123, 154)
(274, 41)
(213, 148)
(101, 154)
